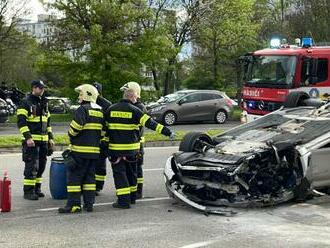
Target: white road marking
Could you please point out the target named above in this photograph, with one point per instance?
(200, 244)
(155, 169)
(108, 203)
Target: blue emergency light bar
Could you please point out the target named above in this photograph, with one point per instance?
(307, 42)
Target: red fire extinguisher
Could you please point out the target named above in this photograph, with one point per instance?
(5, 193)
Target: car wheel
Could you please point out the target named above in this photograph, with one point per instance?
(190, 141)
(296, 99)
(221, 116)
(169, 118)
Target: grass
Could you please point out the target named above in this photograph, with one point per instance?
(15, 140)
(236, 115)
(54, 118)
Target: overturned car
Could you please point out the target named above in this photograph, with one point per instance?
(274, 159)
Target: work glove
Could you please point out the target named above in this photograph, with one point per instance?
(172, 136)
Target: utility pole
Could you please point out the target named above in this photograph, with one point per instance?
(282, 15)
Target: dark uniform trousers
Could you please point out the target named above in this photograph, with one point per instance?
(140, 179)
(125, 178)
(35, 159)
(101, 170)
(81, 180)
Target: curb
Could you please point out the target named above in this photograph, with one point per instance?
(18, 149)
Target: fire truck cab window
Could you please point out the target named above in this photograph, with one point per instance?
(321, 74)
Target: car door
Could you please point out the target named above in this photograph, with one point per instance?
(209, 105)
(319, 168)
(188, 108)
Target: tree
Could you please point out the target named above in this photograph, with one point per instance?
(16, 64)
(226, 31)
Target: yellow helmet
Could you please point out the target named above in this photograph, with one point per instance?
(89, 92)
(132, 86)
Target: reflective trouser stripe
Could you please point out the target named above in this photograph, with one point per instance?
(72, 189)
(123, 191)
(29, 182)
(90, 187)
(140, 180)
(133, 146)
(133, 189)
(99, 178)
(39, 180)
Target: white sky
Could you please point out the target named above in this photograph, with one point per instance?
(35, 7)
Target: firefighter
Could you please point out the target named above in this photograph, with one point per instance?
(101, 169)
(33, 121)
(84, 150)
(123, 120)
(140, 157)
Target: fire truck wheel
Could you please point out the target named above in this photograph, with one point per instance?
(296, 99)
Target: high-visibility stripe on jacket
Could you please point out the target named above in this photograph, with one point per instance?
(33, 119)
(85, 131)
(123, 121)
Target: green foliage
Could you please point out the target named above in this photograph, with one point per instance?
(15, 141)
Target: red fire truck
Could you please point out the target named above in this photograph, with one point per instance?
(271, 74)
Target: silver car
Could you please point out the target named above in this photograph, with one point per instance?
(276, 158)
(192, 106)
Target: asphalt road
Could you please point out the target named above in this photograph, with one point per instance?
(60, 128)
(156, 220)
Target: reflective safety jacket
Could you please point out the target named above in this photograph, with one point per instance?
(123, 121)
(33, 119)
(85, 131)
(141, 106)
(104, 104)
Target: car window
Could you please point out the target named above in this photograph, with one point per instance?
(191, 98)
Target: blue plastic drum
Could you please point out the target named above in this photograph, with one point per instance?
(57, 179)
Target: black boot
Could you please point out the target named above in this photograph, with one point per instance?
(31, 196)
(139, 194)
(88, 208)
(69, 210)
(121, 206)
(38, 191)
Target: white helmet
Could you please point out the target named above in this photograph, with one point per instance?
(132, 86)
(89, 92)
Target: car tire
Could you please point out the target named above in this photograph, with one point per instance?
(189, 141)
(221, 116)
(169, 118)
(296, 99)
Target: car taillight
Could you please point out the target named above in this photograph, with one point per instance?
(229, 103)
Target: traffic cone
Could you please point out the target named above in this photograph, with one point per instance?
(5, 193)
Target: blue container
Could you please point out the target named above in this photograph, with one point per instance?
(57, 179)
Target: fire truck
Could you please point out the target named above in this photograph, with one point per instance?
(283, 71)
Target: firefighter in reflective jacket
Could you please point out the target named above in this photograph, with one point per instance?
(33, 121)
(101, 166)
(123, 120)
(140, 157)
(84, 133)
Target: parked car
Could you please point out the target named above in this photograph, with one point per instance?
(58, 105)
(4, 111)
(276, 158)
(192, 106)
